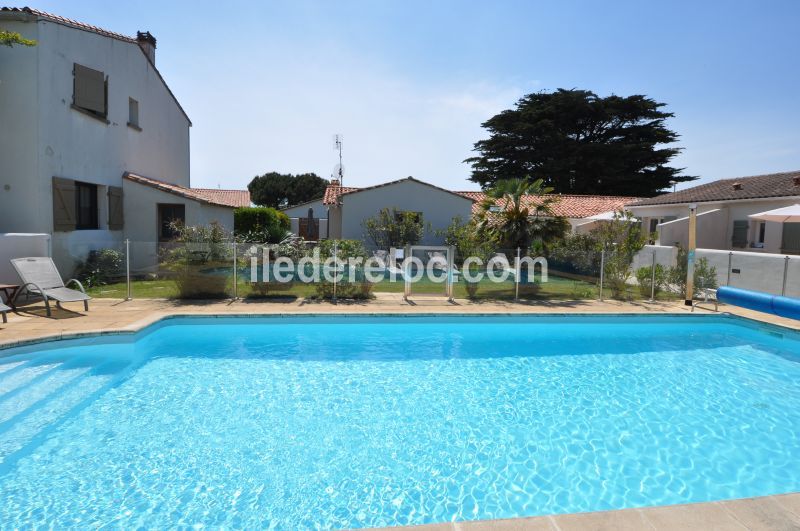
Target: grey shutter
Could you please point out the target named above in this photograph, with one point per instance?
(791, 238)
(63, 204)
(739, 238)
(90, 89)
(116, 219)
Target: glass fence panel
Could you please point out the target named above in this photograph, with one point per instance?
(346, 269)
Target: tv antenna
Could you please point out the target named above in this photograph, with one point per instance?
(338, 170)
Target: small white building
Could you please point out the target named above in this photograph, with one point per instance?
(723, 208)
(80, 110)
(342, 211)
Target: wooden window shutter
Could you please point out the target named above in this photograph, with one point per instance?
(116, 219)
(63, 204)
(90, 89)
(739, 238)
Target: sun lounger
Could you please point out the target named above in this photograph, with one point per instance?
(40, 277)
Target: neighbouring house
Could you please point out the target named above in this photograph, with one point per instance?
(584, 212)
(341, 212)
(723, 208)
(94, 146)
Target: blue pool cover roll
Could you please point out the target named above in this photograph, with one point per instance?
(786, 307)
(761, 302)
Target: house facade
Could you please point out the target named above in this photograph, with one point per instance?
(80, 110)
(342, 211)
(723, 208)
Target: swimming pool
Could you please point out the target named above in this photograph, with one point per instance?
(331, 422)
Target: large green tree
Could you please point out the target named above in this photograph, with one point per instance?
(279, 190)
(580, 143)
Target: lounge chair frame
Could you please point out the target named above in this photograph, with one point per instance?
(48, 283)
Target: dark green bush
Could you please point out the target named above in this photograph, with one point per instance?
(644, 276)
(260, 224)
(101, 267)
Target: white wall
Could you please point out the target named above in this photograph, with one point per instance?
(51, 139)
(756, 271)
(20, 246)
(715, 231)
(141, 219)
(665, 256)
(301, 211)
(438, 207)
(19, 185)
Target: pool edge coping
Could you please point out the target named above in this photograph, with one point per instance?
(142, 324)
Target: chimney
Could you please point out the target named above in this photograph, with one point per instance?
(796, 181)
(335, 182)
(148, 44)
(737, 186)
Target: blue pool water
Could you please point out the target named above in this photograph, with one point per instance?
(352, 422)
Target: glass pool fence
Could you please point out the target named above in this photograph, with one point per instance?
(342, 269)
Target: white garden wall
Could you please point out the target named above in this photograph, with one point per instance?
(18, 245)
(755, 271)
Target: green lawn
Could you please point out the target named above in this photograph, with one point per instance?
(557, 288)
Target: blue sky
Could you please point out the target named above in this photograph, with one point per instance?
(408, 83)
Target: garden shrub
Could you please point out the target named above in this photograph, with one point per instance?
(100, 267)
(260, 224)
(344, 249)
(644, 276)
(705, 275)
(198, 259)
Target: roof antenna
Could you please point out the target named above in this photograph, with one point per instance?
(338, 170)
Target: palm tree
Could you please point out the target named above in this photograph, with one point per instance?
(518, 212)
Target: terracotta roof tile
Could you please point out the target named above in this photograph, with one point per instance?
(334, 191)
(754, 187)
(234, 198)
(225, 198)
(568, 206)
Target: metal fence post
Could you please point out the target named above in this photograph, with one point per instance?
(406, 267)
(128, 268)
(235, 274)
(602, 270)
(730, 261)
(785, 274)
(653, 279)
(451, 262)
(336, 268)
(517, 272)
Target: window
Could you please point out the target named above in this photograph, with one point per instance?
(166, 215)
(759, 231)
(90, 92)
(85, 206)
(133, 113)
(739, 238)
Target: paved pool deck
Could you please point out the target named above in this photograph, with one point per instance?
(29, 323)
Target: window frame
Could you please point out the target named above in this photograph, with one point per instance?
(133, 103)
(93, 222)
(160, 220)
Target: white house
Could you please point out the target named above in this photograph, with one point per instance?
(81, 110)
(723, 208)
(341, 212)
